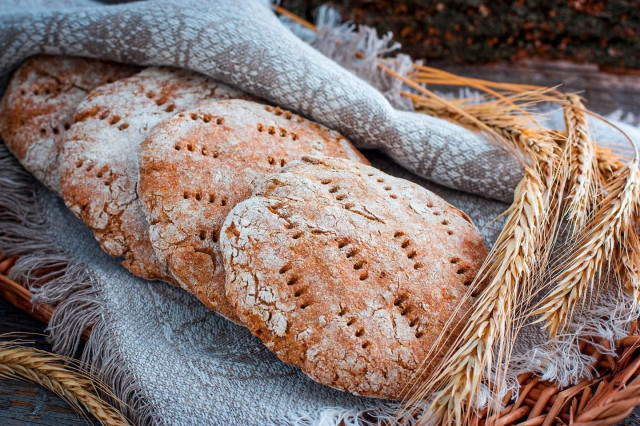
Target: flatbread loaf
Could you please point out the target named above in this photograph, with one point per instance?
(99, 163)
(347, 272)
(39, 104)
(196, 166)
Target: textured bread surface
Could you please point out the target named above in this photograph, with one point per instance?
(99, 162)
(196, 166)
(38, 106)
(347, 272)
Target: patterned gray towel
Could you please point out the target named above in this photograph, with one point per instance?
(243, 43)
(168, 356)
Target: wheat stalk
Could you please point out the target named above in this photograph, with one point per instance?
(507, 271)
(604, 234)
(581, 170)
(501, 117)
(519, 250)
(429, 75)
(583, 181)
(55, 373)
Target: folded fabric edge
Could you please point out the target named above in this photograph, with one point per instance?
(358, 49)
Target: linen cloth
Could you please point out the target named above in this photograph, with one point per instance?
(172, 359)
(242, 43)
(169, 358)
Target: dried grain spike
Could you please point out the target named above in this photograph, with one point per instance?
(487, 332)
(582, 185)
(60, 375)
(603, 234)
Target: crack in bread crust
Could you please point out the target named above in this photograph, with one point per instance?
(196, 166)
(354, 300)
(99, 167)
(38, 106)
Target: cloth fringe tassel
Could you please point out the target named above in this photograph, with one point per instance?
(69, 287)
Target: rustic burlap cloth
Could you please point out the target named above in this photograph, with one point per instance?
(168, 357)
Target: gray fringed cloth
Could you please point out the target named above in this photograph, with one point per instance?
(242, 43)
(170, 359)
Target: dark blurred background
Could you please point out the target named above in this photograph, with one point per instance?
(606, 33)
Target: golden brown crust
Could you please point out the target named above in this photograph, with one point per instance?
(39, 104)
(347, 272)
(196, 166)
(99, 169)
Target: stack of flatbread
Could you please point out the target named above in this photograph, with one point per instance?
(273, 221)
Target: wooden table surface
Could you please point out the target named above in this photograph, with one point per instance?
(23, 403)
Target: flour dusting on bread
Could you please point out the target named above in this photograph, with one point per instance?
(347, 272)
(99, 164)
(196, 166)
(38, 106)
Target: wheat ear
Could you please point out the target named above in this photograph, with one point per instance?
(608, 164)
(505, 120)
(629, 266)
(604, 233)
(582, 185)
(508, 269)
(55, 373)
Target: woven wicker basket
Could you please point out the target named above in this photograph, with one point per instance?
(604, 400)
